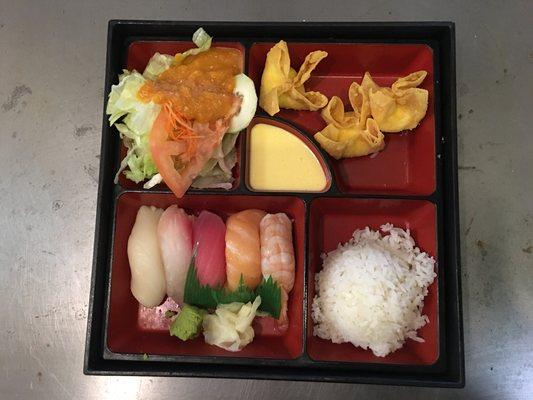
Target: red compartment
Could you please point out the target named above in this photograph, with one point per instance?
(139, 53)
(136, 329)
(407, 164)
(333, 221)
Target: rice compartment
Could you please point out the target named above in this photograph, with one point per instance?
(371, 291)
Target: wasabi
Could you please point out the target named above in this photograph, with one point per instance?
(188, 322)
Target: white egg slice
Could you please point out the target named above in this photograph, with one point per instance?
(244, 88)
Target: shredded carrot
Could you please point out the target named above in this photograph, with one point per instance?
(180, 128)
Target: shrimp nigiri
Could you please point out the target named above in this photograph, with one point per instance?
(277, 252)
(277, 258)
(174, 232)
(243, 254)
(148, 283)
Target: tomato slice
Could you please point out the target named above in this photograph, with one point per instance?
(180, 157)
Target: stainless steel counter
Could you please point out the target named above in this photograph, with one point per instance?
(51, 94)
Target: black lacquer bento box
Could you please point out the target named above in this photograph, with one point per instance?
(412, 183)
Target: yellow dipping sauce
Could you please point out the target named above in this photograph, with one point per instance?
(279, 160)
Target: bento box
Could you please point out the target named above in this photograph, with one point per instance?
(412, 183)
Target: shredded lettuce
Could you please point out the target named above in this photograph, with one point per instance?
(123, 97)
(201, 39)
(158, 64)
(216, 173)
(135, 128)
(154, 180)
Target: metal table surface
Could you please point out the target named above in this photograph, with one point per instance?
(51, 94)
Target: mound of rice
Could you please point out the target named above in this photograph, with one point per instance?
(371, 291)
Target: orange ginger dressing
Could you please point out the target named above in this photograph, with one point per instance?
(200, 88)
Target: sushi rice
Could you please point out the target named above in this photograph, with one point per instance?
(371, 291)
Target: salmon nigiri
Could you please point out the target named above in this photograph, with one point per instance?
(209, 234)
(243, 249)
(174, 232)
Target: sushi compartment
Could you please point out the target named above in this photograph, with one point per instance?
(411, 184)
(134, 329)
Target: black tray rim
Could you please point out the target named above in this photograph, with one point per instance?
(95, 363)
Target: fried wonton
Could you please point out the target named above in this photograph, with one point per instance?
(350, 134)
(400, 107)
(283, 87)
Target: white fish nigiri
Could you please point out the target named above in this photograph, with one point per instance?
(148, 283)
(175, 241)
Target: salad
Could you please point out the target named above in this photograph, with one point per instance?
(180, 119)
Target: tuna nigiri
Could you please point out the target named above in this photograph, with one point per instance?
(174, 232)
(243, 254)
(209, 234)
(148, 283)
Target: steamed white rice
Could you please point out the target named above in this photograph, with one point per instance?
(371, 291)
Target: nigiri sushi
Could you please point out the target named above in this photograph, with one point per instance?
(209, 234)
(243, 254)
(277, 251)
(174, 232)
(277, 259)
(148, 283)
